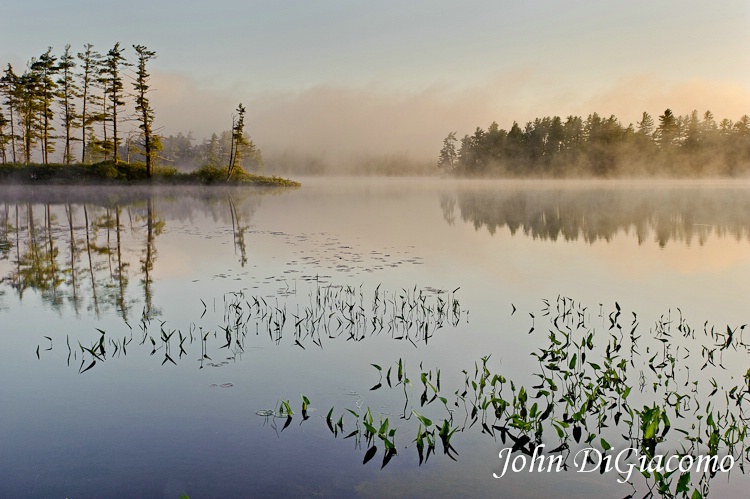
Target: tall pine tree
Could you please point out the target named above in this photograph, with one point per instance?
(9, 91)
(142, 104)
(90, 62)
(68, 93)
(111, 78)
(45, 69)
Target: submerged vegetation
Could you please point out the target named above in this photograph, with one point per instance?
(679, 146)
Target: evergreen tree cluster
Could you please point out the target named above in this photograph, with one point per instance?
(86, 98)
(82, 94)
(185, 153)
(689, 145)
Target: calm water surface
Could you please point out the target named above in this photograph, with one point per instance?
(146, 332)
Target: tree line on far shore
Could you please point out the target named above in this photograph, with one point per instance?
(690, 145)
(81, 102)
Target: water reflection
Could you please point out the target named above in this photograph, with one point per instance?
(334, 312)
(683, 214)
(241, 316)
(81, 247)
(605, 399)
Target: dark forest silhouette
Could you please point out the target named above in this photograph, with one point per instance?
(690, 145)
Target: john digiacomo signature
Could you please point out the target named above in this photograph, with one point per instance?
(590, 459)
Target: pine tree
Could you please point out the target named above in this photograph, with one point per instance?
(692, 131)
(3, 138)
(69, 91)
(448, 155)
(142, 104)
(45, 69)
(90, 61)
(111, 78)
(29, 109)
(668, 130)
(213, 150)
(239, 140)
(9, 90)
(646, 125)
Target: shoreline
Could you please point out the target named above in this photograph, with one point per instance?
(123, 174)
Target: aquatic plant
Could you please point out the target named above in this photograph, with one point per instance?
(588, 396)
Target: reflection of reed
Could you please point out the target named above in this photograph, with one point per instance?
(663, 214)
(334, 312)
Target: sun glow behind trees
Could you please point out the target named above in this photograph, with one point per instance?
(114, 124)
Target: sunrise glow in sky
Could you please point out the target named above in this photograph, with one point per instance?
(342, 77)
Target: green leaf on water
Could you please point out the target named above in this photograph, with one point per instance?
(682, 484)
(370, 428)
(560, 432)
(353, 413)
(383, 427)
(572, 364)
(425, 421)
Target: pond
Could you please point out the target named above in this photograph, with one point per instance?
(375, 338)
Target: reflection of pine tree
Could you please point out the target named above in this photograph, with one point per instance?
(153, 229)
(73, 283)
(657, 215)
(238, 231)
(82, 260)
(89, 246)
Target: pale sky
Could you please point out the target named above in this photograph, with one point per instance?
(348, 77)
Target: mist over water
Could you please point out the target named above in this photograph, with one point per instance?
(185, 267)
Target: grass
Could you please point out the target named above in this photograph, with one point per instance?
(109, 172)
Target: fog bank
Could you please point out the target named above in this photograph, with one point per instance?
(336, 126)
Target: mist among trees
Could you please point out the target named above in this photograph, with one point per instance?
(89, 107)
(690, 145)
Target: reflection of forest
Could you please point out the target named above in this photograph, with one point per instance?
(684, 214)
(83, 252)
